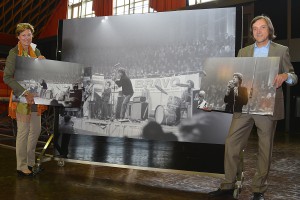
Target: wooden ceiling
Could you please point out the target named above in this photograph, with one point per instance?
(35, 12)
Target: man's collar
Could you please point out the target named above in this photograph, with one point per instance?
(266, 46)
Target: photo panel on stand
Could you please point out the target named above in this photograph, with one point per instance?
(52, 82)
(164, 64)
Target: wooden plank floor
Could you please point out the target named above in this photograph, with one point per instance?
(83, 181)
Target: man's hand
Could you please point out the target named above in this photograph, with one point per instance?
(29, 98)
(279, 79)
(230, 84)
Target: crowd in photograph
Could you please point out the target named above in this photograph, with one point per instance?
(261, 100)
(163, 60)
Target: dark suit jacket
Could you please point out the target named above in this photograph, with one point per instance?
(126, 85)
(236, 103)
(285, 66)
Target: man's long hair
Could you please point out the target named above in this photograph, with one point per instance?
(239, 76)
(122, 71)
(272, 35)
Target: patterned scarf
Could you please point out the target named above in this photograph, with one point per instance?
(22, 52)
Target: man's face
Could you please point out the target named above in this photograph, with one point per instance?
(235, 80)
(201, 98)
(261, 32)
(120, 74)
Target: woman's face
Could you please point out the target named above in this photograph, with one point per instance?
(25, 38)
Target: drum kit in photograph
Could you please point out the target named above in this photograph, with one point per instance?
(167, 115)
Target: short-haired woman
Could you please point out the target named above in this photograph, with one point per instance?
(28, 115)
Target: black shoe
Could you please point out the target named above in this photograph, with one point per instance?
(22, 174)
(36, 170)
(220, 192)
(30, 168)
(258, 196)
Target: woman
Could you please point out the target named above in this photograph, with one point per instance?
(28, 115)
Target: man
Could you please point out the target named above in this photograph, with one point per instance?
(202, 104)
(262, 31)
(236, 96)
(146, 94)
(127, 90)
(186, 100)
(105, 100)
(88, 89)
(187, 94)
(43, 89)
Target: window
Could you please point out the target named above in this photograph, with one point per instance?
(83, 8)
(193, 2)
(80, 9)
(124, 7)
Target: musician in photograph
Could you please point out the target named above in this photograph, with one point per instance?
(75, 86)
(236, 96)
(87, 98)
(202, 104)
(127, 89)
(105, 100)
(186, 99)
(186, 96)
(44, 89)
(33, 88)
(146, 94)
(64, 94)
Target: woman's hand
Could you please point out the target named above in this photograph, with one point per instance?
(29, 98)
(41, 57)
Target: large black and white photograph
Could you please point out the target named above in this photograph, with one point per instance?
(149, 66)
(52, 82)
(240, 84)
(149, 99)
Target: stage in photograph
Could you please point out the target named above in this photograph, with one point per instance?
(145, 70)
(52, 82)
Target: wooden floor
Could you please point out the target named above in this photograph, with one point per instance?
(84, 181)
